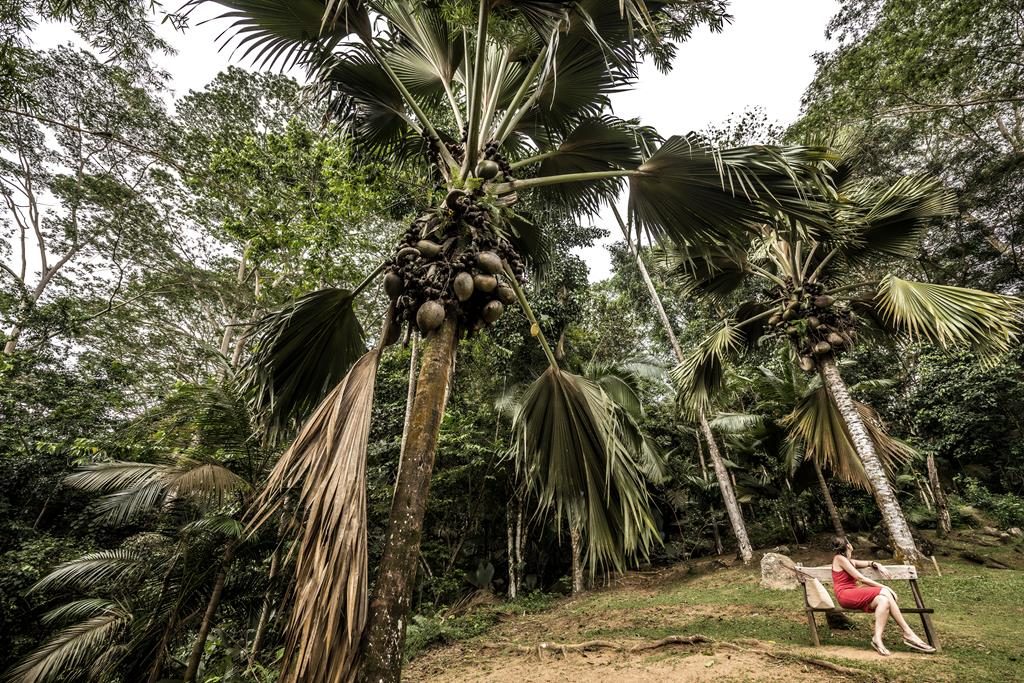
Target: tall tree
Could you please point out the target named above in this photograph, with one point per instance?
(517, 103)
(805, 297)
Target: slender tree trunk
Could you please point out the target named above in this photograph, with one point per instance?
(12, 340)
(837, 522)
(211, 610)
(732, 507)
(576, 543)
(392, 595)
(885, 497)
(510, 524)
(945, 524)
(515, 543)
(728, 493)
(263, 624)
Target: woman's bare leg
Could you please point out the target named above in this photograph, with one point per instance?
(881, 605)
(897, 615)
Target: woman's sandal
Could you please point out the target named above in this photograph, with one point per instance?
(880, 649)
(919, 645)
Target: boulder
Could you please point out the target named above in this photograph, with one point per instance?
(776, 573)
(1015, 531)
(990, 531)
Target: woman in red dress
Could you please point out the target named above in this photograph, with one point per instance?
(870, 597)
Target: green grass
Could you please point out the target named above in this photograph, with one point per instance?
(979, 618)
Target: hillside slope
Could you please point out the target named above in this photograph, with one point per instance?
(742, 632)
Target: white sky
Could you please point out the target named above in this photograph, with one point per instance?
(764, 58)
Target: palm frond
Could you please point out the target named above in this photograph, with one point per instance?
(301, 351)
(285, 34)
(207, 483)
(702, 372)
(601, 143)
(117, 475)
(716, 273)
(689, 193)
(736, 423)
(568, 445)
(73, 649)
(325, 471)
(947, 316)
(220, 525)
(892, 220)
(821, 433)
(87, 571)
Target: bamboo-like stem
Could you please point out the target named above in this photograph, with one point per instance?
(411, 101)
(821, 266)
(807, 264)
(529, 183)
(534, 159)
(529, 314)
(476, 90)
(367, 280)
(514, 106)
(492, 99)
(765, 274)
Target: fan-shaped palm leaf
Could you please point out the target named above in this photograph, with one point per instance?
(818, 427)
(950, 315)
(289, 32)
(569, 446)
(696, 196)
(715, 274)
(301, 351)
(702, 372)
(325, 469)
(891, 220)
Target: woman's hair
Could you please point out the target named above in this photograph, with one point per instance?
(839, 544)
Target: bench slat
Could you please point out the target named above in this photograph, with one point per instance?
(905, 610)
(903, 572)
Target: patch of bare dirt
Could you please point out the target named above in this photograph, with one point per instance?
(703, 663)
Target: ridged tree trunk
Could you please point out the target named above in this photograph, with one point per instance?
(732, 506)
(211, 611)
(576, 544)
(885, 497)
(728, 493)
(837, 522)
(396, 574)
(945, 524)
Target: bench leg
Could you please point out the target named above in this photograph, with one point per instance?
(814, 628)
(926, 619)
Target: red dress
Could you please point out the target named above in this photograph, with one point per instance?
(850, 595)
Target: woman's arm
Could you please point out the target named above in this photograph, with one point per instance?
(851, 569)
(861, 564)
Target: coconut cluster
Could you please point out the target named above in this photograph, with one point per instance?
(492, 162)
(452, 262)
(814, 323)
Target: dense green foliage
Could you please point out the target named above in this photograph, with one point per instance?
(140, 241)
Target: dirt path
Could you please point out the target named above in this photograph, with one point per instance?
(452, 664)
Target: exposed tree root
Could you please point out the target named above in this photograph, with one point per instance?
(540, 648)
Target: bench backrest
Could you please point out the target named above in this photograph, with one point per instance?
(905, 572)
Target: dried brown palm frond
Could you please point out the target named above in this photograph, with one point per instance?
(816, 430)
(325, 470)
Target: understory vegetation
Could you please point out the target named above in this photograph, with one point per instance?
(313, 382)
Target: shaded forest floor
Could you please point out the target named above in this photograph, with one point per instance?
(754, 634)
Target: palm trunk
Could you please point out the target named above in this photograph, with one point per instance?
(732, 506)
(899, 531)
(945, 524)
(576, 543)
(211, 610)
(268, 605)
(837, 522)
(392, 594)
(515, 544)
(728, 493)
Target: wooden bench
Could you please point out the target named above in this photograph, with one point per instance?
(897, 572)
